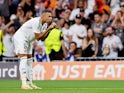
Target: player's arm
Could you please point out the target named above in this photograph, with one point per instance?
(43, 35)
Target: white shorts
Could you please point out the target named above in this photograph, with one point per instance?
(22, 45)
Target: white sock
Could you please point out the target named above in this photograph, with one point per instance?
(29, 70)
(23, 69)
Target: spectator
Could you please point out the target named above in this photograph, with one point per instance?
(111, 44)
(4, 9)
(2, 47)
(90, 45)
(89, 7)
(27, 5)
(60, 23)
(1, 23)
(66, 36)
(39, 7)
(75, 11)
(65, 4)
(40, 55)
(118, 25)
(122, 7)
(58, 10)
(72, 51)
(72, 4)
(18, 18)
(85, 21)
(50, 4)
(106, 19)
(115, 6)
(55, 47)
(103, 6)
(29, 15)
(8, 42)
(77, 32)
(66, 16)
(18, 15)
(13, 4)
(98, 28)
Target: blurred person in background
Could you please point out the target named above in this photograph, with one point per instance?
(111, 44)
(28, 5)
(102, 5)
(71, 52)
(18, 15)
(122, 7)
(2, 47)
(66, 15)
(75, 11)
(118, 25)
(39, 7)
(65, 4)
(58, 10)
(28, 15)
(60, 23)
(85, 21)
(8, 31)
(99, 30)
(89, 7)
(115, 6)
(40, 55)
(77, 33)
(55, 47)
(13, 4)
(50, 4)
(4, 9)
(1, 23)
(90, 44)
(106, 19)
(66, 35)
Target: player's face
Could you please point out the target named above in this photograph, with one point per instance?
(48, 17)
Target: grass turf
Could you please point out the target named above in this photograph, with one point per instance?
(63, 86)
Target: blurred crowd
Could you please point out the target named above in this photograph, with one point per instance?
(90, 28)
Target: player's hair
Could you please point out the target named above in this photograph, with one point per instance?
(47, 11)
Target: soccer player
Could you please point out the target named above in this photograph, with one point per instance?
(35, 28)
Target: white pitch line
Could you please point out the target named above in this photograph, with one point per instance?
(79, 88)
(88, 88)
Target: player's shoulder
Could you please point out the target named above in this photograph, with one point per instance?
(35, 18)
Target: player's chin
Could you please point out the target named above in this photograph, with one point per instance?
(49, 21)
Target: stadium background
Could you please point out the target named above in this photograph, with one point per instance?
(86, 75)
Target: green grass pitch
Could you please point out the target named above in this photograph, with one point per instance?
(63, 86)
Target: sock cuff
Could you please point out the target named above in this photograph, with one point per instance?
(30, 59)
(23, 57)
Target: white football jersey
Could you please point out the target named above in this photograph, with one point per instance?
(30, 27)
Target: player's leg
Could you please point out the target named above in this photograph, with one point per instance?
(23, 72)
(23, 69)
(21, 51)
(29, 70)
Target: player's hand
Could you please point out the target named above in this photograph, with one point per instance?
(53, 25)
